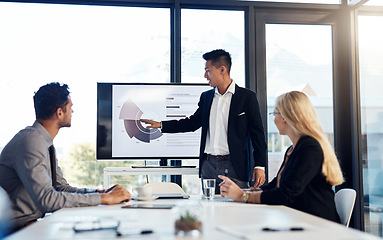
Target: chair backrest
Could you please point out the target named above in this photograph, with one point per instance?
(344, 202)
(165, 188)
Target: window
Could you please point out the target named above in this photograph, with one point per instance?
(374, 3)
(203, 34)
(298, 57)
(371, 99)
(79, 45)
(212, 29)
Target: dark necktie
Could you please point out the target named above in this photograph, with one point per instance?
(52, 157)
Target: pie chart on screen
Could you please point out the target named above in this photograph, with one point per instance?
(131, 115)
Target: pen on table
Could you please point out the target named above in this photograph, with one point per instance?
(133, 232)
(268, 229)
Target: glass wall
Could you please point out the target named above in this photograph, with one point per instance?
(371, 100)
(212, 29)
(200, 35)
(110, 44)
(81, 45)
(78, 45)
(374, 3)
(298, 57)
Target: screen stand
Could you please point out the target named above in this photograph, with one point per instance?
(176, 178)
(164, 163)
(173, 178)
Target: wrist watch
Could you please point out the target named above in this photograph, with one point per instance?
(245, 197)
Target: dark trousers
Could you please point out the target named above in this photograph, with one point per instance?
(220, 165)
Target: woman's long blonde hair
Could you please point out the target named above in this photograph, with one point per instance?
(299, 113)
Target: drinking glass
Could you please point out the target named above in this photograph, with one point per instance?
(209, 188)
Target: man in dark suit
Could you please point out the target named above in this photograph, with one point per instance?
(231, 124)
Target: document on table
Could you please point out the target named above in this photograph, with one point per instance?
(297, 231)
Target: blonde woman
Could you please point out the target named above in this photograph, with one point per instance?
(310, 167)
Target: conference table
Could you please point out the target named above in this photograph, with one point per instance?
(221, 219)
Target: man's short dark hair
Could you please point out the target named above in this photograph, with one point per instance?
(219, 58)
(49, 98)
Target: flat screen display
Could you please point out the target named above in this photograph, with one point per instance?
(121, 135)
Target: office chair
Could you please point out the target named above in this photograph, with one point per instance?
(344, 202)
(165, 188)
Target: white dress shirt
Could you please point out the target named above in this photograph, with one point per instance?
(216, 139)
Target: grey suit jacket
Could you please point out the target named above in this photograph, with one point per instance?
(25, 174)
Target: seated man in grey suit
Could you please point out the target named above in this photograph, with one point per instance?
(28, 165)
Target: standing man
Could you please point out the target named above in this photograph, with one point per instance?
(28, 164)
(231, 122)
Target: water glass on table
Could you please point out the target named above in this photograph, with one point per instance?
(209, 188)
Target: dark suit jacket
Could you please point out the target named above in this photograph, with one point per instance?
(245, 129)
(302, 185)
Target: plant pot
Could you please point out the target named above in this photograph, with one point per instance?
(188, 228)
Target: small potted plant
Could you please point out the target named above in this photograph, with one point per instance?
(188, 224)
